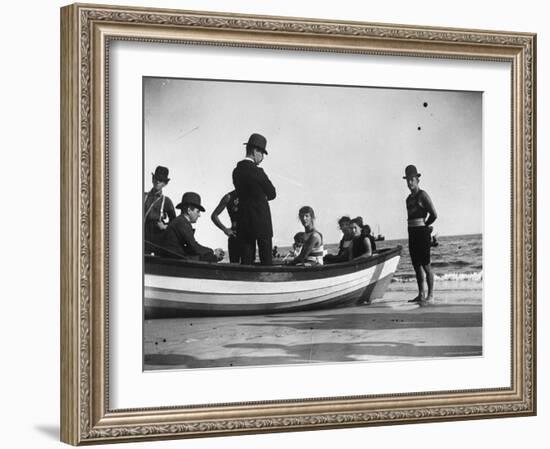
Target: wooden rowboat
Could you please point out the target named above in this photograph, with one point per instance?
(175, 287)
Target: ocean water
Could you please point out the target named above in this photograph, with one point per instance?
(457, 263)
(457, 258)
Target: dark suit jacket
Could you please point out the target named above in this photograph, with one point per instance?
(152, 206)
(254, 190)
(179, 240)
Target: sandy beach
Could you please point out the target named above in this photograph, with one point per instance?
(388, 329)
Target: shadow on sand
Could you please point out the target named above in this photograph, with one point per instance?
(312, 353)
(375, 320)
(343, 322)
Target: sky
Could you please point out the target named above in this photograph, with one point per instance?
(341, 150)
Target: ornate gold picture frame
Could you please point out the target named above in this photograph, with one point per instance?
(87, 33)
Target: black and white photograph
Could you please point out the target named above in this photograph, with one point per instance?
(293, 224)
(117, 113)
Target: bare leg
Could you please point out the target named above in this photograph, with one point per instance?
(430, 281)
(420, 277)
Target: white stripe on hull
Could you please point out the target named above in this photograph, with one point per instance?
(295, 302)
(253, 298)
(241, 293)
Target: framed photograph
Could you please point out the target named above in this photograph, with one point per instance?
(280, 224)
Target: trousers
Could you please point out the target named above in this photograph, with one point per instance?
(265, 251)
(235, 250)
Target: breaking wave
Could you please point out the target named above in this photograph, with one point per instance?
(476, 276)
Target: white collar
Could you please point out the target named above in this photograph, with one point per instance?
(187, 219)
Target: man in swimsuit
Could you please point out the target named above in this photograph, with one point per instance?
(420, 215)
(229, 202)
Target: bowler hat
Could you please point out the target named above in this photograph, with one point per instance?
(161, 173)
(192, 199)
(411, 171)
(257, 141)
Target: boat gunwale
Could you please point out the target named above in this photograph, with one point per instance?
(359, 263)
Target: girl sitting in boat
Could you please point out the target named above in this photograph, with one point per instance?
(296, 248)
(344, 248)
(367, 232)
(360, 245)
(312, 251)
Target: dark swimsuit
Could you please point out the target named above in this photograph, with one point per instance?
(358, 247)
(419, 236)
(233, 245)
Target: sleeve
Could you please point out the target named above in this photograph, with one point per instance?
(169, 209)
(428, 204)
(267, 186)
(193, 246)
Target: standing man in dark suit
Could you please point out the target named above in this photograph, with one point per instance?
(254, 190)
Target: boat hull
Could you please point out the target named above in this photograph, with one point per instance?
(182, 288)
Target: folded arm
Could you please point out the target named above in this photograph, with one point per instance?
(193, 247)
(266, 184)
(215, 216)
(429, 206)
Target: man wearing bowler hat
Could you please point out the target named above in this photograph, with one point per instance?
(158, 211)
(420, 215)
(254, 190)
(179, 238)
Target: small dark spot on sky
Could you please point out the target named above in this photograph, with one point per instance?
(164, 340)
(425, 105)
(419, 128)
(156, 342)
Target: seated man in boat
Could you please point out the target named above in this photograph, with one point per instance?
(345, 243)
(312, 252)
(179, 239)
(360, 245)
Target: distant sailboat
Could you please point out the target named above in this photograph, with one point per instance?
(379, 237)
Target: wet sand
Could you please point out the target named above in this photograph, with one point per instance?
(389, 329)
